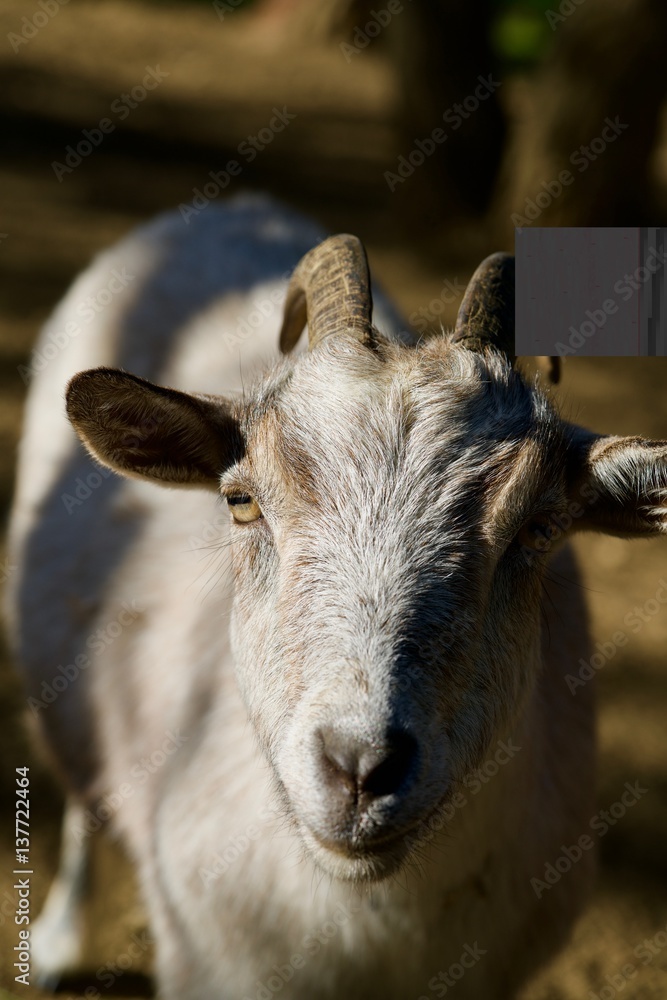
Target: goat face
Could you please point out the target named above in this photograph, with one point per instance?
(386, 617)
(391, 512)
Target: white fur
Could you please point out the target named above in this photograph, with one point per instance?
(385, 598)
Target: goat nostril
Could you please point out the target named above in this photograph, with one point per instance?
(365, 768)
(340, 758)
(387, 775)
(341, 765)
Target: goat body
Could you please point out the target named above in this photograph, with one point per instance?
(332, 728)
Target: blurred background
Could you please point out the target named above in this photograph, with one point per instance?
(430, 128)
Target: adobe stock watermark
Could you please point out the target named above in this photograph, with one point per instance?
(566, 8)
(108, 974)
(606, 651)
(31, 26)
(86, 310)
(109, 803)
(425, 316)
(236, 845)
(142, 431)
(211, 532)
(454, 118)
(600, 825)
(625, 288)
(645, 952)
(84, 487)
(266, 303)
(7, 907)
(549, 534)
(474, 781)
(267, 300)
(248, 149)
(6, 569)
(121, 107)
(96, 642)
(310, 945)
(444, 981)
(363, 34)
(581, 158)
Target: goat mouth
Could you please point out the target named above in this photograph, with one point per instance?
(361, 861)
(377, 845)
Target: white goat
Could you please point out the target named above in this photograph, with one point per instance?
(391, 511)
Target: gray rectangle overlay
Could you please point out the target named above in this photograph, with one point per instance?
(591, 291)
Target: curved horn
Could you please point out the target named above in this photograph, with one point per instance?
(330, 289)
(486, 314)
(549, 367)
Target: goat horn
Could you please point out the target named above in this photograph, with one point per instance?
(549, 367)
(330, 290)
(486, 314)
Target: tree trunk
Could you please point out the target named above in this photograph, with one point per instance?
(607, 66)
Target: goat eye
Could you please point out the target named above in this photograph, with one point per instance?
(537, 534)
(244, 508)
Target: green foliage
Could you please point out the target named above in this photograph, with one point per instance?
(520, 32)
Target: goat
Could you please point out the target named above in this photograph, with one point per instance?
(294, 741)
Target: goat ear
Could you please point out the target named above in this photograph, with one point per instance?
(620, 483)
(144, 430)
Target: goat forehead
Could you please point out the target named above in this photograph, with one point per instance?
(378, 471)
(346, 416)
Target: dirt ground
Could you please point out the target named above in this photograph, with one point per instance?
(52, 229)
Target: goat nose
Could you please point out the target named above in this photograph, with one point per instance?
(360, 767)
